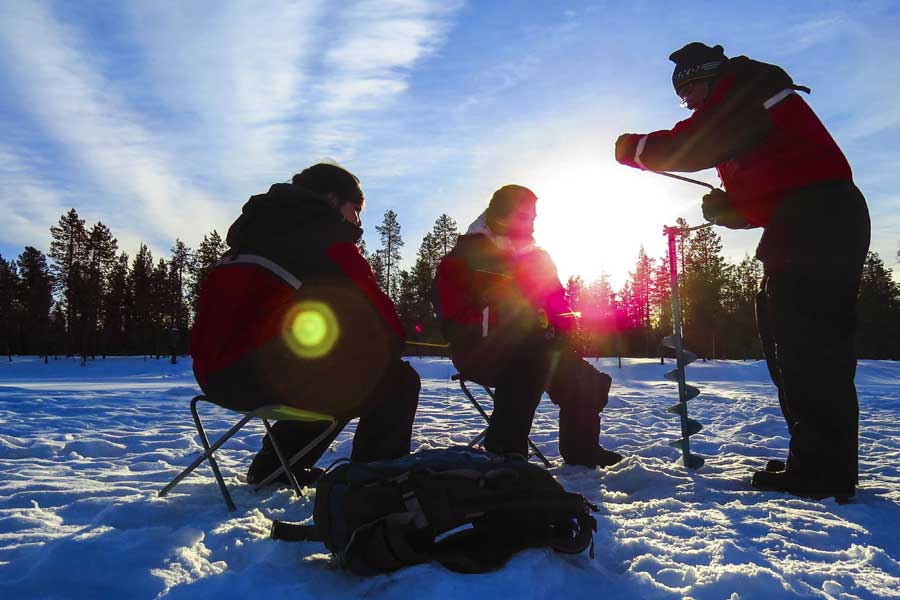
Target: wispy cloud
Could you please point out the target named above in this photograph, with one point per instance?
(205, 98)
(84, 113)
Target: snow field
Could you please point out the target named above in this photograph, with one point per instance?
(83, 452)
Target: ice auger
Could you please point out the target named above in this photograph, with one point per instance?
(682, 358)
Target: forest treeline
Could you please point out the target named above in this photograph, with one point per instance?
(86, 297)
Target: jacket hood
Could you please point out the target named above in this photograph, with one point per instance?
(480, 227)
(288, 210)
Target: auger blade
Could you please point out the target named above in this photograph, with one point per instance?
(671, 375)
(669, 341)
(689, 356)
(693, 427)
(695, 461)
(691, 392)
(678, 409)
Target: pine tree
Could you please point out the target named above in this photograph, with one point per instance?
(140, 319)
(661, 300)
(638, 308)
(444, 234)
(9, 311)
(739, 290)
(160, 307)
(702, 292)
(100, 256)
(377, 265)
(116, 307)
(208, 253)
(391, 242)
(36, 298)
(179, 266)
(423, 321)
(575, 291)
(67, 249)
(878, 310)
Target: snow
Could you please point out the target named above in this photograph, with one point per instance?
(84, 450)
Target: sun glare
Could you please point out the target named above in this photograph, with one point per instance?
(593, 219)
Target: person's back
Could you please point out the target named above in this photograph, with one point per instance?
(292, 315)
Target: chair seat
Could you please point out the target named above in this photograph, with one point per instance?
(283, 412)
(279, 412)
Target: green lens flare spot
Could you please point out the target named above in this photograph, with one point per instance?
(311, 329)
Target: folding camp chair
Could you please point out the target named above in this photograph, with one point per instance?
(265, 413)
(487, 418)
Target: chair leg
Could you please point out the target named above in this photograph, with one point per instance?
(539, 454)
(208, 454)
(477, 439)
(297, 456)
(285, 467)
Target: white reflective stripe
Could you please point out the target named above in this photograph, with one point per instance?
(640, 150)
(263, 262)
(484, 321)
(778, 98)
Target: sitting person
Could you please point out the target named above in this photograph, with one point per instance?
(292, 315)
(506, 317)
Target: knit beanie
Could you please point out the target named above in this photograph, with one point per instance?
(696, 61)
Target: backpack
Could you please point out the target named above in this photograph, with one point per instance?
(468, 509)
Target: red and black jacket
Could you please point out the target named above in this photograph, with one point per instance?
(493, 297)
(762, 137)
(290, 246)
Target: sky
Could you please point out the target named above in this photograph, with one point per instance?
(160, 119)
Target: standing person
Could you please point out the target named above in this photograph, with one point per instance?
(292, 315)
(506, 317)
(783, 172)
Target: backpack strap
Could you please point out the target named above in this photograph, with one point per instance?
(294, 532)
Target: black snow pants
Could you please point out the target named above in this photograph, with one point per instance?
(520, 379)
(813, 252)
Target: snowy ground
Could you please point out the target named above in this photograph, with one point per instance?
(83, 452)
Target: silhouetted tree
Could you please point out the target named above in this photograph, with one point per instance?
(391, 242)
(36, 298)
(67, 249)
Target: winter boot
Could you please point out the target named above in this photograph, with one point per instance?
(267, 461)
(775, 466)
(804, 486)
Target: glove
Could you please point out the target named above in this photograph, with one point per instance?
(626, 146)
(717, 209)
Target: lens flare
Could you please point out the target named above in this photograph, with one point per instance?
(311, 329)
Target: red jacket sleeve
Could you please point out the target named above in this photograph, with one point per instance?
(539, 282)
(731, 121)
(347, 256)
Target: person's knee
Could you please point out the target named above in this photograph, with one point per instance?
(409, 384)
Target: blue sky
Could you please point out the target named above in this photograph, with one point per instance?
(162, 118)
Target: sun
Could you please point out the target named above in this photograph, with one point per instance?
(593, 219)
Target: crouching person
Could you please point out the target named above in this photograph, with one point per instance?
(292, 315)
(506, 317)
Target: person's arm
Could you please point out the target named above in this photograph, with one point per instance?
(731, 121)
(347, 256)
(539, 281)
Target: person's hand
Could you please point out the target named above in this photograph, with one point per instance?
(626, 146)
(717, 209)
(715, 204)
